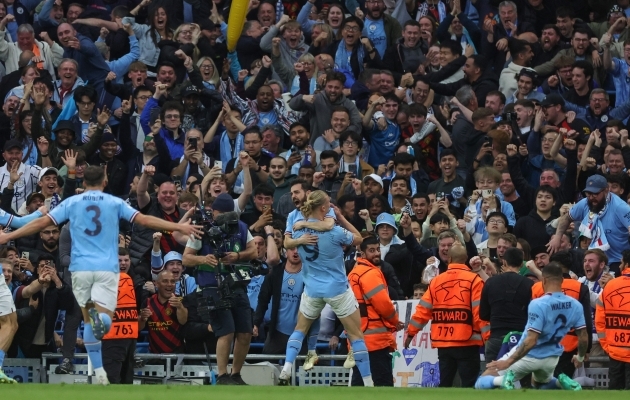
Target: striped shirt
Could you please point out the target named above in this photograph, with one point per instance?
(24, 186)
(165, 334)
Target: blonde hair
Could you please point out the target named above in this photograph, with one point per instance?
(314, 200)
(215, 76)
(329, 30)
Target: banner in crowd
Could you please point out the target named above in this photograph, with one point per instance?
(418, 365)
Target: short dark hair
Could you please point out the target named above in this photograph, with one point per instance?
(448, 152)
(411, 22)
(513, 257)
(386, 207)
(141, 88)
(615, 123)
(303, 125)
(439, 217)
(164, 64)
(552, 26)
(404, 159)
(400, 178)
(352, 135)
(94, 175)
(585, 66)
(565, 12)
(172, 106)
(253, 129)
(336, 76)
(417, 109)
(87, 91)
(340, 109)
(263, 189)
(369, 240)
(498, 94)
(118, 11)
(497, 214)
(480, 62)
(305, 185)
(45, 81)
(341, 201)
(45, 257)
(354, 19)
(454, 46)
(581, 31)
(553, 271)
(517, 46)
(122, 251)
(368, 74)
(563, 258)
(547, 189)
(326, 154)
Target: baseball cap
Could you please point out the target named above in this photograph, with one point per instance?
(375, 178)
(388, 219)
(529, 73)
(172, 256)
(108, 137)
(47, 171)
(190, 89)
(223, 203)
(12, 144)
(539, 250)
(33, 196)
(552, 99)
(595, 184)
(65, 124)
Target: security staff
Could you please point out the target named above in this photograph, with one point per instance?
(119, 345)
(452, 306)
(235, 322)
(578, 291)
(378, 315)
(612, 320)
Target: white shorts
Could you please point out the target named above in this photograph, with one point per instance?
(7, 306)
(99, 286)
(540, 368)
(343, 305)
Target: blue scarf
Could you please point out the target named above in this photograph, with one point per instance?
(342, 166)
(343, 64)
(465, 39)
(226, 149)
(412, 182)
(592, 228)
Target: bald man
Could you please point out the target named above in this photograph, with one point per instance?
(452, 305)
(92, 66)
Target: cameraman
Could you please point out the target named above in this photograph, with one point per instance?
(238, 319)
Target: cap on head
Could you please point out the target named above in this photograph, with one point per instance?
(595, 184)
(375, 178)
(552, 99)
(223, 203)
(47, 171)
(12, 144)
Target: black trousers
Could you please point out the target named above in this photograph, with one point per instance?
(565, 364)
(492, 348)
(381, 368)
(464, 359)
(619, 375)
(118, 359)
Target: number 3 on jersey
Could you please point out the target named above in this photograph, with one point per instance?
(95, 221)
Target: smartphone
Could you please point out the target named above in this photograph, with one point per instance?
(439, 196)
(485, 252)
(192, 142)
(218, 164)
(25, 254)
(352, 169)
(486, 193)
(177, 180)
(265, 208)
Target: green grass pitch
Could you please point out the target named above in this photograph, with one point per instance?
(160, 392)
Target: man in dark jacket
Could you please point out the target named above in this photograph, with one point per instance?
(477, 74)
(116, 169)
(55, 295)
(533, 227)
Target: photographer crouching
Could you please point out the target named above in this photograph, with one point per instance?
(226, 245)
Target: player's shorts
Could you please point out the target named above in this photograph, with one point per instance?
(541, 368)
(7, 306)
(99, 286)
(343, 305)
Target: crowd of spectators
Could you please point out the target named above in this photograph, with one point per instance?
(492, 124)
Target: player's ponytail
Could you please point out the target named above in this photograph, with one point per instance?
(314, 200)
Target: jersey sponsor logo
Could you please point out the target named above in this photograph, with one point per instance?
(452, 316)
(618, 321)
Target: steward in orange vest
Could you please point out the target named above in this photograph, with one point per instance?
(612, 320)
(119, 345)
(452, 306)
(379, 319)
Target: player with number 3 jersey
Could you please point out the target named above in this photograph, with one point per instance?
(550, 318)
(94, 226)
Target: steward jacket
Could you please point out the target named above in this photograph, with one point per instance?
(452, 306)
(125, 320)
(378, 315)
(579, 292)
(612, 318)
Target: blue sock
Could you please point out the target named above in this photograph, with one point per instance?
(294, 345)
(312, 335)
(361, 357)
(485, 382)
(92, 346)
(1, 357)
(551, 385)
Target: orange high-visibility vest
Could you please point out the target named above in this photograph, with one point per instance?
(571, 288)
(378, 315)
(612, 318)
(125, 321)
(452, 306)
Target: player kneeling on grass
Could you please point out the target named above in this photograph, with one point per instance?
(549, 319)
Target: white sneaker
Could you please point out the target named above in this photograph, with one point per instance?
(349, 363)
(100, 378)
(311, 360)
(284, 379)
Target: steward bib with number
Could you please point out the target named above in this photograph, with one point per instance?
(125, 320)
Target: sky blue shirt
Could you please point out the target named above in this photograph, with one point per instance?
(621, 80)
(383, 144)
(323, 266)
(552, 317)
(296, 216)
(375, 31)
(615, 223)
(94, 217)
(7, 219)
(267, 118)
(290, 294)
